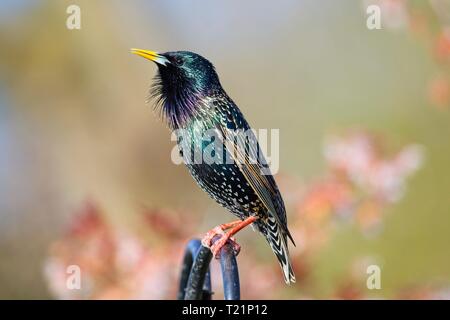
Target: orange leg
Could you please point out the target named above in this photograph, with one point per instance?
(232, 228)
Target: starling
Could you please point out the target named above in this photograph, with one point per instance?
(192, 101)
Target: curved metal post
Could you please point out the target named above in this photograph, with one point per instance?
(230, 274)
(195, 273)
(195, 280)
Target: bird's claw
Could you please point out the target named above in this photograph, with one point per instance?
(232, 228)
(207, 239)
(216, 246)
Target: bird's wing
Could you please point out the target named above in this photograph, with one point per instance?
(244, 150)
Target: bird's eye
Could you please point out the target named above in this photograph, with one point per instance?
(178, 61)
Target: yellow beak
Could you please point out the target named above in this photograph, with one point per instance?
(151, 55)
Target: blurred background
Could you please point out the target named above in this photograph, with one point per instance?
(85, 172)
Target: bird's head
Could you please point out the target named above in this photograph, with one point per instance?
(183, 78)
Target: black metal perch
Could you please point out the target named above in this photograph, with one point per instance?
(195, 280)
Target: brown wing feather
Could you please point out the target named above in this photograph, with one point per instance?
(263, 185)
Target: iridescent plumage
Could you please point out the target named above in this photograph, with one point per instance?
(191, 98)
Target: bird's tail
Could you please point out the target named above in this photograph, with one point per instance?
(277, 240)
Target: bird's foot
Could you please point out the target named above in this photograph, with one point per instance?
(208, 238)
(221, 238)
(217, 246)
(225, 237)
